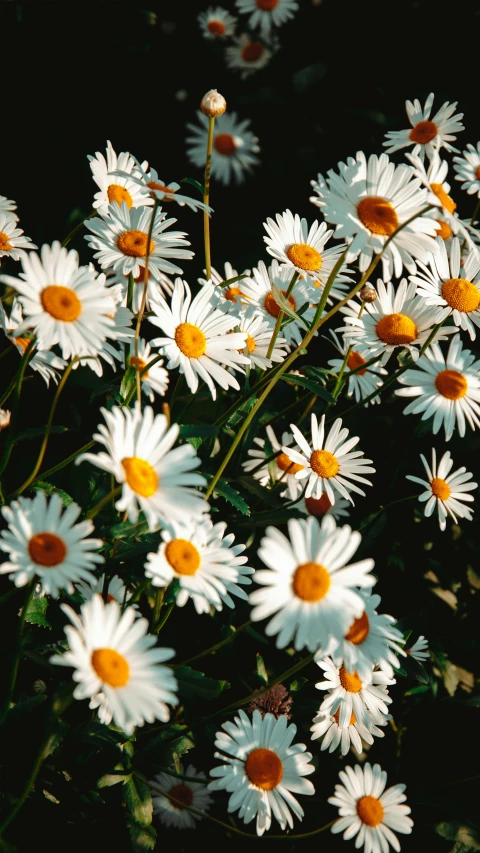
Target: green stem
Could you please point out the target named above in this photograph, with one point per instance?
(235, 278)
(214, 648)
(143, 302)
(6, 395)
(18, 650)
(105, 500)
(281, 314)
(13, 420)
(206, 198)
(475, 213)
(48, 473)
(383, 508)
(166, 614)
(78, 228)
(160, 595)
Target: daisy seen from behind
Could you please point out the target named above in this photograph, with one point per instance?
(117, 665)
(364, 381)
(234, 151)
(427, 134)
(172, 808)
(367, 698)
(216, 23)
(280, 468)
(267, 14)
(13, 243)
(467, 168)
(119, 188)
(445, 491)
(309, 583)
(318, 507)
(262, 769)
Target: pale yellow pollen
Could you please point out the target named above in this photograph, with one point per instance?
(119, 194)
(396, 329)
(451, 384)
(111, 667)
(440, 488)
(423, 132)
(47, 549)
(461, 294)
(378, 215)
(304, 256)
(324, 463)
(311, 582)
(62, 303)
(141, 476)
(190, 340)
(183, 556)
(264, 769)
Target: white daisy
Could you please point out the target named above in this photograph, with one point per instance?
(148, 179)
(12, 242)
(427, 134)
(368, 201)
(46, 363)
(329, 463)
(259, 335)
(368, 811)
(448, 388)
(467, 168)
(198, 338)
(398, 318)
(155, 479)
(247, 55)
(121, 240)
(155, 287)
(367, 697)
(366, 380)
(5, 417)
(43, 541)
(233, 293)
(156, 379)
(267, 14)
(281, 468)
(308, 584)
(444, 491)
(116, 187)
(419, 650)
(116, 666)
(174, 812)
(347, 737)
(7, 206)
(234, 151)
(205, 562)
(262, 769)
(318, 507)
(216, 23)
(121, 331)
(115, 591)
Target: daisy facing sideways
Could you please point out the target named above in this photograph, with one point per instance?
(216, 23)
(234, 151)
(154, 478)
(367, 698)
(267, 14)
(114, 187)
(445, 492)
(326, 726)
(116, 666)
(262, 769)
(364, 381)
(368, 811)
(427, 134)
(280, 468)
(148, 180)
(467, 168)
(12, 240)
(172, 808)
(259, 335)
(419, 650)
(155, 380)
(309, 584)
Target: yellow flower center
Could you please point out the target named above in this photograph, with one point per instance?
(311, 582)
(216, 28)
(232, 292)
(378, 215)
(250, 343)
(355, 360)
(62, 303)
(444, 231)
(140, 363)
(134, 244)
(304, 256)
(272, 307)
(252, 51)
(461, 294)
(285, 464)
(22, 343)
(183, 794)
(396, 329)
(443, 197)
(141, 477)
(336, 717)
(324, 463)
(350, 680)
(111, 667)
(440, 488)
(153, 185)
(451, 384)
(318, 506)
(358, 631)
(119, 194)
(183, 557)
(225, 144)
(370, 810)
(5, 246)
(47, 549)
(264, 769)
(190, 340)
(423, 132)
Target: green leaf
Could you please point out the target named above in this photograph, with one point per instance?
(193, 684)
(110, 779)
(286, 307)
(172, 591)
(309, 384)
(261, 670)
(231, 495)
(128, 381)
(174, 738)
(269, 497)
(36, 611)
(198, 431)
(297, 684)
(143, 838)
(126, 528)
(198, 186)
(33, 432)
(242, 410)
(465, 832)
(308, 76)
(138, 799)
(50, 489)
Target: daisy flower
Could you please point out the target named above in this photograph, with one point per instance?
(116, 590)
(119, 188)
(43, 541)
(7, 206)
(281, 468)
(467, 168)
(419, 650)
(5, 418)
(155, 287)
(46, 363)
(234, 151)
(147, 178)
(247, 55)
(262, 769)
(349, 737)
(368, 811)
(427, 134)
(267, 14)
(329, 463)
(185, 792)
(259, 335)
(156, 379)
(367, 697)
(444, 491)
(366, 380)
(116, 666)
(155, 479)
(308, 585)
(318, 507)
(121, 240)
(233, 293)
(216, 23)
(205, 562)
(12, 241)
(368, 201)
(198, 338)
(398, 318)
(448, 388)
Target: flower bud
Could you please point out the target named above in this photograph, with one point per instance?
(213, 104)
(368, 293)
(5, 416)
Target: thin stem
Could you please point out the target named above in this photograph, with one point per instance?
(281, 314)
(206, 198)
(166, 614)
(160, 595)
(6, 395)
(86, 447)
(105, 500)
(13, 420)
(235, 278)
(214, 648)
(77, 228)
(144, 301)
(475, 213)
(16, 659)
(383, 508)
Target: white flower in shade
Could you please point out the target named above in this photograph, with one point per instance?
(367, 698)
(467, 168)
(149, 181)
(155, 287)
(155, 479)
(156, 378)
(398, 318)
(262, 769)
(115, 591)
(368, 201)
(448, 388)
(121, 241)
(318, 507)
(13, 243)
(329, 463)
(445, 492)
(280, 468)
(259, 334)
(368, 811)
(121, 331)
(205, 562)
(43, 541)
(234, 151)
(308, 585)
(197, 337)
(116, 666)
(428, 135)
(419, 650)
(347, 737)
(5, 416)
(46, 363)
(366, 380)
(247, 55)
(62, 302)
(7, 206)
(184, 792)
(216, 23)
(267, 14)
(114, 187)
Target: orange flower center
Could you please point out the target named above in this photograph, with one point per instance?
(140, 278)
(5, 246)
(461, 294)
(396, 329)
(304, 256)
(225, 144)
(183, 794)
(250, 343)
(216, 28)
(267, 5)
(141, 477)
(440, 488)
(111, 667)
(190, 340)
(252, 51)
(272, 307)
(183, 557)
(451, 384)
(47, 549)
(119, 194)
(443, 197)
(369, 809)
(350, 680)
(324, 463)
(140, 364)
(477, 173)
(62, 303)
(134, 244)
(285, 464)
(318, 506)
(444, 231)
(22, 343)
(311, 582)
(153, 185)
(378, 215)
(232, 292)
(355, 360)
(423, 132)
(264, 769)
(336, 717)
(358, 631)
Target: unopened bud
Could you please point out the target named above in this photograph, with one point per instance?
(5, 416)
(213, 104)
(368, 293)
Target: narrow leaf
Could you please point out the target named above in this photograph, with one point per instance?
(193, 684)
(286, 307)
(309, 384)
(231, 495)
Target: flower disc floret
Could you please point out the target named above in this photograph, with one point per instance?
(461, 294)
(264, 769)
(311, 582)
(111, 667)
(396, 329)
